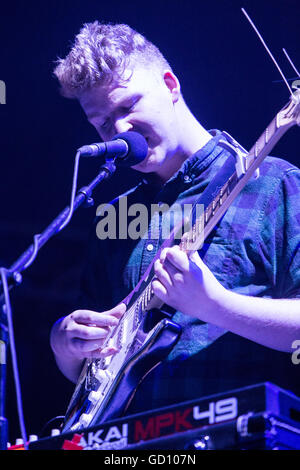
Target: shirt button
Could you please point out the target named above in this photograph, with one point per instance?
(187, 179)
(150, 247)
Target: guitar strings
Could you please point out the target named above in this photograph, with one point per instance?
(140, 303)
(291, 62)
(267, 49)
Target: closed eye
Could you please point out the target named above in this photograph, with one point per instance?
(129, 105)
(105, 124)
(123, 110)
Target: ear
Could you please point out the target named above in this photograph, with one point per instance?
(172, 84)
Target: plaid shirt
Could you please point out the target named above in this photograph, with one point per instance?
(253, 251)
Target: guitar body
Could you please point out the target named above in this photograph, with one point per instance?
(152, 343)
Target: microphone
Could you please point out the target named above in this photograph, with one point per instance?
(129, 149)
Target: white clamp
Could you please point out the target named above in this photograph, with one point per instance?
(238, 152)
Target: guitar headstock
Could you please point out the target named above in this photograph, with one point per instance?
(290, 114)
(296, 98)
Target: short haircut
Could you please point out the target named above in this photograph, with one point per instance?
(100, 55)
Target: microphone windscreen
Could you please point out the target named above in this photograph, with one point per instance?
(137, 148)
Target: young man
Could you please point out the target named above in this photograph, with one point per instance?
(246, 278)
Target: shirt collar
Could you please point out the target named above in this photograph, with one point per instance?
(195, 164)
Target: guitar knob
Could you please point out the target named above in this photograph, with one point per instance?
(94, 397)
(102, 374)
(84, 420)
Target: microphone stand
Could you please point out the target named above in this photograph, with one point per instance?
(84, 196)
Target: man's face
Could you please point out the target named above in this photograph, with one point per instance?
(145, 104)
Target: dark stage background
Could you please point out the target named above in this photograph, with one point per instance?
(229, 83)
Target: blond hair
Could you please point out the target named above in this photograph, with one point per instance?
(100, 55)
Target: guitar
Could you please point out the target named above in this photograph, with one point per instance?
(146, 334)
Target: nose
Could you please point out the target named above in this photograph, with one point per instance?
(122, 125)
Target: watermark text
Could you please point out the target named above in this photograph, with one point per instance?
(156, 221)
(2, 92)
(296, 353)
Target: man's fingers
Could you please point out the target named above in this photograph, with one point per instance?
(162, 275)
(117, 311)
(86, 346)
(89, 331)
(86, 331)
(92, 348)
(90, 317)
(107, 351)
(159, 290)
(176, 257)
